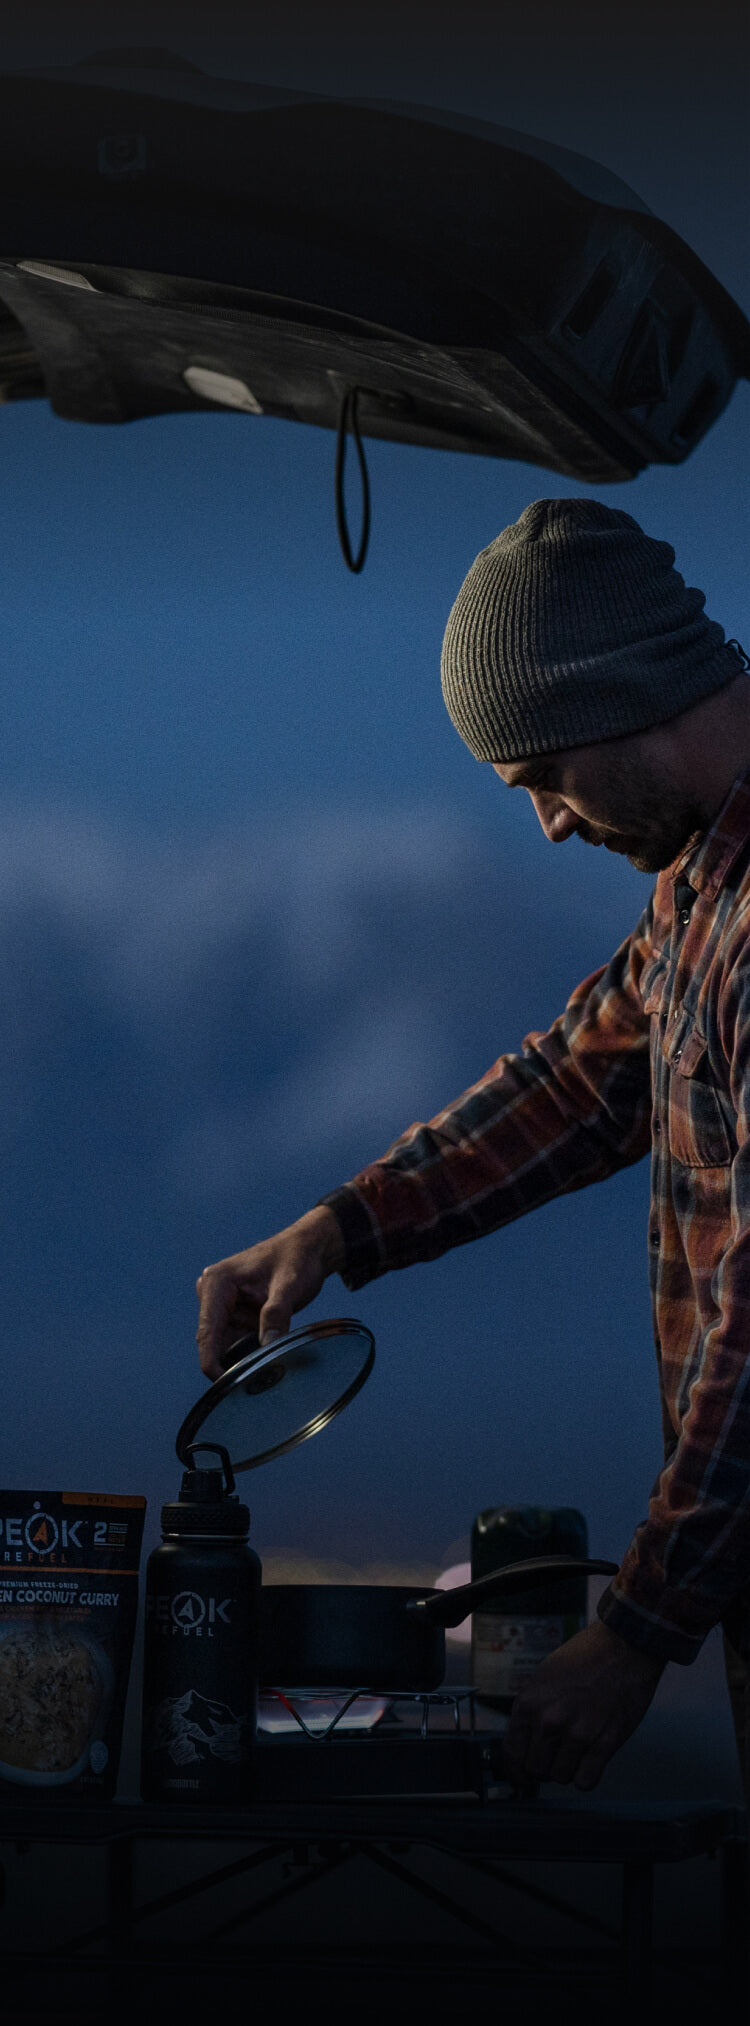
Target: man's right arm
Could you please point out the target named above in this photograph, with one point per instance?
(569, 1109)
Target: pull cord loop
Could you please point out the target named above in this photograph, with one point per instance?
(348, 418)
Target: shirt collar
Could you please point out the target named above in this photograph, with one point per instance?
(706, 860)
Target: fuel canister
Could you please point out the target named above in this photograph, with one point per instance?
(509, 1641)
(200, 1683)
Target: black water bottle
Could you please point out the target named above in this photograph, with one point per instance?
(200, 1681)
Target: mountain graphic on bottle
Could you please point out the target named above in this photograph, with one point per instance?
(191, 1727)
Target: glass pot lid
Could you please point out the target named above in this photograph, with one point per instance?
(274, 1396)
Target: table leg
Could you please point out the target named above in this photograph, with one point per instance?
(735, 1922)
(120, 1925)
(637, 1926)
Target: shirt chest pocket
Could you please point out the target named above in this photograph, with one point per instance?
(696, 1127)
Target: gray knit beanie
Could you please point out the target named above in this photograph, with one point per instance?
(572, 627)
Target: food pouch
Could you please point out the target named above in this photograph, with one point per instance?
(68, 1599)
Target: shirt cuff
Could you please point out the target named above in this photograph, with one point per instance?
(642, 1629)
(365, 1252)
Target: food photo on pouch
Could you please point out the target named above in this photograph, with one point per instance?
(375, 422)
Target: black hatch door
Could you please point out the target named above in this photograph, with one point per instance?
(172, 241)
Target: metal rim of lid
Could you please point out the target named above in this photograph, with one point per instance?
(254, 1362)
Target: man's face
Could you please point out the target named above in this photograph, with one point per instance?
(622, 793)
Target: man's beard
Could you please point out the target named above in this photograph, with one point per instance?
(663, 824)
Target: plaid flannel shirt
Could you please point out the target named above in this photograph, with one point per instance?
(652, 1050)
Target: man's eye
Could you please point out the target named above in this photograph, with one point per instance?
(532, 781)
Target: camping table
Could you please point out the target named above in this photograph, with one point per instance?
(317, 1837)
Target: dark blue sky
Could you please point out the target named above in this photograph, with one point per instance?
(260, 909)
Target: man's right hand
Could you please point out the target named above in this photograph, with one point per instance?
(261, 1289)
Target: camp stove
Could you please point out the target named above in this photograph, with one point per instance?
(356, 1744)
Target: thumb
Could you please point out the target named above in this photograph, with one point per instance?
(276, 1314)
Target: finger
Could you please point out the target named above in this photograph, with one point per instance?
(567, 1759)
(517, 1734)
(276, 1313)
(515, 1746)
(243, 1318)
(594, 1761)
(218, 1295)
(541, 1753)
(532, 1739)
(238, 1343)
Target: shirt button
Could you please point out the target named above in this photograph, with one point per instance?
(657, 1125)
(685, 915)
(653, 1236)
(677, 1054)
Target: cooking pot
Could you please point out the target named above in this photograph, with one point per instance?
(387, 1636)
(344, 1635)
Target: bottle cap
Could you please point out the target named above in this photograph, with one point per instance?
(208, 1502)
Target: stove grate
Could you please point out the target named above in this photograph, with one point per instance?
(320, 1716)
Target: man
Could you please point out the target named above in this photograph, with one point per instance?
(579, 666)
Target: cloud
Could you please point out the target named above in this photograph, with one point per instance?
(267, 993)
(273, 1002)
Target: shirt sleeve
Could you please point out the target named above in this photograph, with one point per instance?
(689, 1562)
(570, 1108)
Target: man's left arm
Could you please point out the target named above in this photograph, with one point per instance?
(690, 1558)
(580, 1706)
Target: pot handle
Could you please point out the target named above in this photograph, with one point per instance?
(448, 1607)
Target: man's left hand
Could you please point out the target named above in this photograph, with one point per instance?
(579, 1707)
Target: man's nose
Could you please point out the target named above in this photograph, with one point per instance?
(557, 820)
